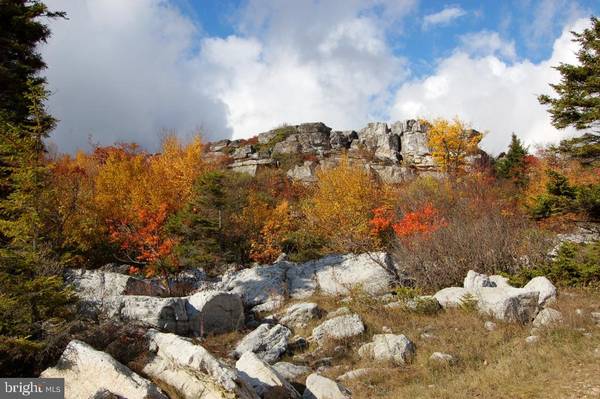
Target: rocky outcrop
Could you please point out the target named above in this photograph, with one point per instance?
(267, 342)
(291, 371)
(265, 380)
(191, 371)
(297, 315)
(393, 152)
(87, 371)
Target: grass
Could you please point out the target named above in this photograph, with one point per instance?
(490, 364)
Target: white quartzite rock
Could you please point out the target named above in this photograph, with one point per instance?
(442, 358)
(291, 371)
(192, 370)
(389, 347)
(547, 318)
(338, 328)
(257, 285)
(267, 342)
(87, 371)
(214, 312)
(546, 289)
(299, 314)
(265, 380)
(319, 387)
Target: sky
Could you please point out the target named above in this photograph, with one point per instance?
(133, 70)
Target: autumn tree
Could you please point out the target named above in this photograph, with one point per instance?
(451, 142)
(578, 100)
(273, 234)
(340, 207)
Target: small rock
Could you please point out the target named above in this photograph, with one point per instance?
(595, 316)
(579, 312)
(338, 328)
(319, 387)
(297, 315)
(352, 374)
(291, 371)
(547, 317)
(386, 329)
(490, 325)
(597, 352)
(427, 336)
(442, 358)
(389, 347)
(532, 339)
(297, 343)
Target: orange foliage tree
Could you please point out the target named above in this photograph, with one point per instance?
(278, 224)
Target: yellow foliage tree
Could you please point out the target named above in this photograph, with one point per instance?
(278, 224)
(451, 142)
(340, 207)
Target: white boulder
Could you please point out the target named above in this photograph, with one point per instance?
(265, 380)
(214, 312)
(338, 328)
(297, 315)
(397, 349)
(547, 317)
(319, 387)
(544, 287)
(266, 341)
(291, 371)
(87, 371)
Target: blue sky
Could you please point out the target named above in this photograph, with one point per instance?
(231, 68)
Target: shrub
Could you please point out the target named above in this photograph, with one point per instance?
(574, 265)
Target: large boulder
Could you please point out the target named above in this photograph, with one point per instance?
(257, 285)
(397, 349)
(338, 274)
(545, 288)
(451, 297)
(508, 303)
(297, 315)
(319, 387)
(214, 312)
(267, 342)
(339, 328)
(265, 380)
(413, 143)
(191, 371)
(547, 318)
(87, 371)
(380, 141)
(166, 314)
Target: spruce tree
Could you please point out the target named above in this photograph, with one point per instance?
(512, 165)
(578, 101)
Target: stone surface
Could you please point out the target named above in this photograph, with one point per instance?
(214, 312)
(257, 285)
(508, 304)
(532, 339)
(165, 314)
(397, 349)
(490, 325)
(319, 387)
(356, 373)
(451, 297)
(291, 371)
(338, 274)
(191, 370)
(297, 315)
(475, 280)
(87, 371)
(338, 328)
(267, 342)
(545, 288)
(547, 317)
(305, 173)
(265, 380)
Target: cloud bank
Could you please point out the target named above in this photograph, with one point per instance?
(126, 70)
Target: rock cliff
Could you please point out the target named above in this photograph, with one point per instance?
(393, 152)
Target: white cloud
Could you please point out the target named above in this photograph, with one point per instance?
(120, 70)
(488, 43)
(443, 17)
(491, 94)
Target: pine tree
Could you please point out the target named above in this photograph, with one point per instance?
(578, 101)
(512, 165)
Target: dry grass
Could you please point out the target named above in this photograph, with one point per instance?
(497, 364)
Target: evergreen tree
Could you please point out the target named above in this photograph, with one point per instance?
(578, 101)
(513, 165)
